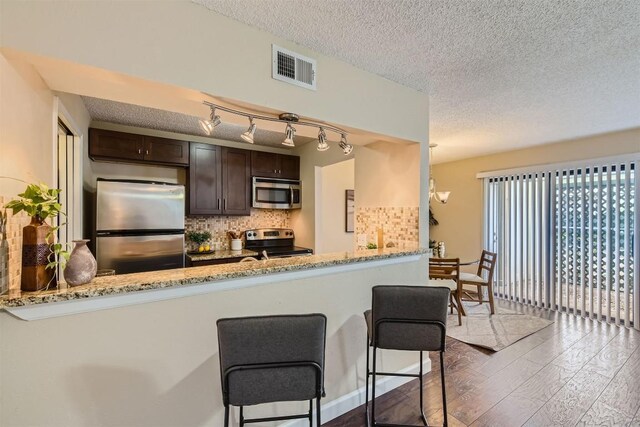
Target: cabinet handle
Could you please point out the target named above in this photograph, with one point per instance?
(139, 150)
(225, 204)
(218, 204)
(146, 152)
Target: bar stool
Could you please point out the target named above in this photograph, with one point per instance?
(411, 318)
(272, 359)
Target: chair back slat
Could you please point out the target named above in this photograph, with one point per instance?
(487, 264)
(444, 268)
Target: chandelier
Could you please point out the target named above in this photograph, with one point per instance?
(438, 196)
(289, 119)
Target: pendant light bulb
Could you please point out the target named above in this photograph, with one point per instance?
(290, 132)
(322, 141)
(208, 125)
(248, 135)
(346, 147)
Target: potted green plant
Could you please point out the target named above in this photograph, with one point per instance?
(200, 238)
(41, 255)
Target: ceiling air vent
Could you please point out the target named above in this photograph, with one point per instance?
(293, 68)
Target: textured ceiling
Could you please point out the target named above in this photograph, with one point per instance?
(501, 74)
(151, 118)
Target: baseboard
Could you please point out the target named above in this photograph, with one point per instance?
(349, 401)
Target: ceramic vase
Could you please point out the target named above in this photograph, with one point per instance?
(36, 251)
(82, 266)
(236, 244)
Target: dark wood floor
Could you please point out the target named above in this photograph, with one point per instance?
(573, 372)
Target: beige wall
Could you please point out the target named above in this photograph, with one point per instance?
(164, 42)
(388, 175)
(461, 218)
(26, 145)
(330, 232)
(156, 364)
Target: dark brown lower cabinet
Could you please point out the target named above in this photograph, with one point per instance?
(219, 180)
(191, 263)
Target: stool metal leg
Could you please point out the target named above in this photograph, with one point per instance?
(444, 392)
(311, 413)
(318, 422)
(366, 386)
(373, 389)
(226, 416)
(424, 418)
(241, 416)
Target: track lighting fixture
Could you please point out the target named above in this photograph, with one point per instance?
(289, 132)
(248, 135)
(346, 147)
(213, 121)
(289, 118)
(322, 141)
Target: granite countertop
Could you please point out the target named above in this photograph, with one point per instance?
(223, 254)
(126, 283)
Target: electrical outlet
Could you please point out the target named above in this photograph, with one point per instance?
(362, 239)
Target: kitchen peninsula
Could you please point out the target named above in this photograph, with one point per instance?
(123, 334)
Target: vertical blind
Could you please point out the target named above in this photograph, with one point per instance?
(565, 238)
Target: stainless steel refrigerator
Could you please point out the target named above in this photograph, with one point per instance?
(139, 225)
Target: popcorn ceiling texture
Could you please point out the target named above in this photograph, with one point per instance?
(14, 238)
(152, 118)
(500, 75)
(399, 224)
(219, 225)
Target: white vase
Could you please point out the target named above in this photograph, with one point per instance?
(236, 244)
(82, 266)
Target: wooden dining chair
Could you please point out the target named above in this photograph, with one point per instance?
(445, 272)
(473, 284)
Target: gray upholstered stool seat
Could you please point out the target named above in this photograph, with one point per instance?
(411, 318)
(272, 359)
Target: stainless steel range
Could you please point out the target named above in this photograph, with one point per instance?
(277, 242)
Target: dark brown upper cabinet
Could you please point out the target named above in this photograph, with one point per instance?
(236, 181)
(219, 180)
(272, 165)
(112, 145)
(205, 183)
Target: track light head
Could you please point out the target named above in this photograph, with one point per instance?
(322, 140)
(248, 135)
(289, 133)
(346, 147)
(208, 125)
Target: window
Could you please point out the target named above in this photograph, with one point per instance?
(565, 238)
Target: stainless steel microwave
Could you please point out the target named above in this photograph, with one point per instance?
(271, 193)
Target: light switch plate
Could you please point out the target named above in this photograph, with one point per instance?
(362, 239)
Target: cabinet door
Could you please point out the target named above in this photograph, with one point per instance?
(264, 164)
(236, 181)
(205, 184)
(167, 151)
(289, 167)
(111, 145)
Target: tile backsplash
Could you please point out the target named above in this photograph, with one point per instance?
(400, 225)
(219, 225)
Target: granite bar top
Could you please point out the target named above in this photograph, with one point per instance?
(223, 254)
(127, 283)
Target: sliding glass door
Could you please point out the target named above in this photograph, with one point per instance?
(565, 238)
